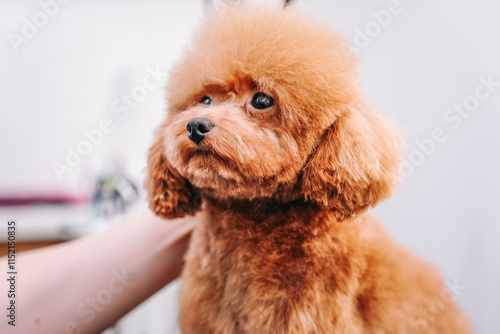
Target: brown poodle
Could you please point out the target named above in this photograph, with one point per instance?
(270, 137)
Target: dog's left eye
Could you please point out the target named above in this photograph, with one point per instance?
(206, 100)
(262, 101)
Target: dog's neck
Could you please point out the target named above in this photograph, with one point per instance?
(265, 211)
(274, 227)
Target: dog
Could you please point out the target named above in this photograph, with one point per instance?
(271, 143)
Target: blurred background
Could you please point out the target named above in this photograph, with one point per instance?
(81, 91)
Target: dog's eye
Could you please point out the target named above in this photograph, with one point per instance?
(206, 100)
(262, 101)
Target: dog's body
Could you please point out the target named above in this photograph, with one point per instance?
(245, 274)
(283, 156)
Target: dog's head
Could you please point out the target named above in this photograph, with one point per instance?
(266, 104)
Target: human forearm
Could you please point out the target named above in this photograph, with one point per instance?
(90, 283)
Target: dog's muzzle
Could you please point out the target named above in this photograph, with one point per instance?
(197, 129)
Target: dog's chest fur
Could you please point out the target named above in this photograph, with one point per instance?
(267, 273)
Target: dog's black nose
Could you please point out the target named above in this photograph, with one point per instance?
(198, 128)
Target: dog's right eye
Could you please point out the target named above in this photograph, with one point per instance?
(206, 100)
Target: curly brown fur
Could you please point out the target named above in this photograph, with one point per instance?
(283, 244)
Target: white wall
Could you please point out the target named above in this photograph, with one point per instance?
(425, 60)
(65, 79)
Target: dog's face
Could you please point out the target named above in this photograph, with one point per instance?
(266, 105)
(232, 141)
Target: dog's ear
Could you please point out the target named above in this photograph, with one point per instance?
(355, 165)
(170, 195)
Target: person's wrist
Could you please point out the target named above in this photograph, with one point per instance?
(169, 238)
(168, 231)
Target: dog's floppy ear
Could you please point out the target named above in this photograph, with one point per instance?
(170, 195)
(355, 165)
